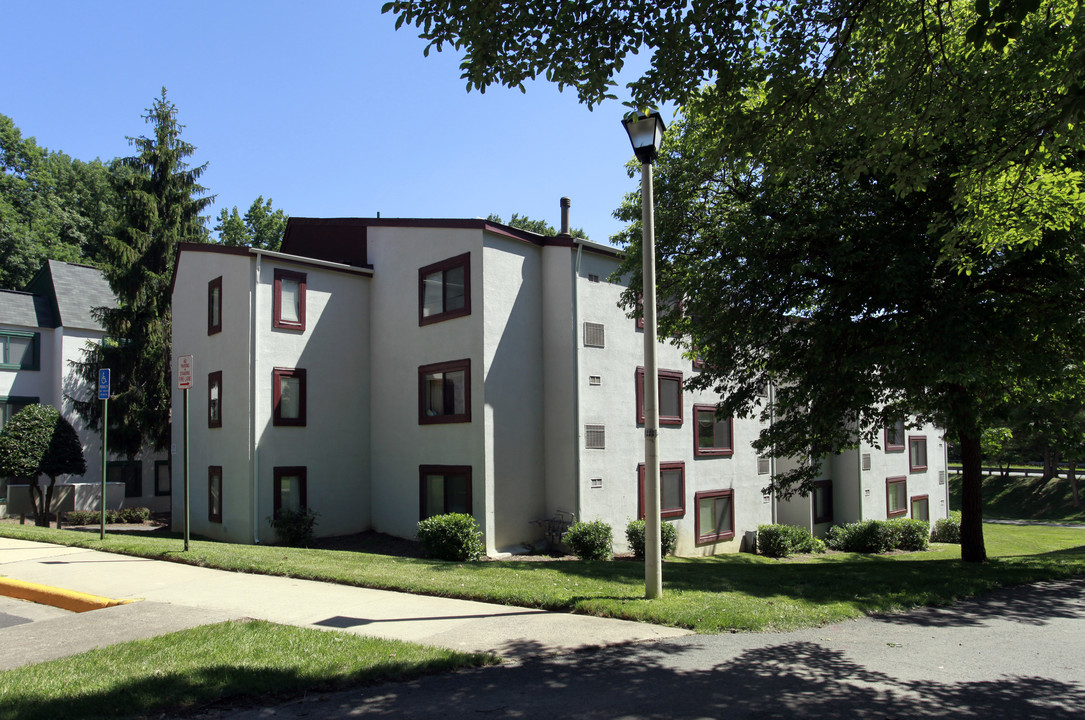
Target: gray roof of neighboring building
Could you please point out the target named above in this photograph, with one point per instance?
(72, 291)
(25, 309)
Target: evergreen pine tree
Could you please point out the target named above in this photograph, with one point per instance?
(162, 203)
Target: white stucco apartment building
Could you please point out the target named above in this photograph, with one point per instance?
(44, 328)
(378, 371)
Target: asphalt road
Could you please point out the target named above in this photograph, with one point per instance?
(1017, 653)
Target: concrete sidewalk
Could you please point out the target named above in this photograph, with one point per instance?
(175, 596)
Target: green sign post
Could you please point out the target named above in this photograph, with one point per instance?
(103, 395)
(184, 383)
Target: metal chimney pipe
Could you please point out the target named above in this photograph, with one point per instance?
(565, 202)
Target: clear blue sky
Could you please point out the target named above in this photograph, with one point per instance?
(321, 105)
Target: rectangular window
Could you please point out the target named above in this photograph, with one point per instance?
(288, 396)
(896, 496)
(214, 399)
(712, 434)
(917, 453)
(288, 300)
(129, 472)
(920, 508)
(214, 493)
(20, 350)
(594, 335)
(444, 489)
(715, 515)
(866, 461)
(290, 489)
(593, 278)
(444, 290)
(894, 437)
(670, 397)
(823, 501)
(11, 405)
(163, 480)
(595, 437)
(444, 392)
(214, 306)
(672, 493)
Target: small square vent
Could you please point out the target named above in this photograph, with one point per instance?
(595, 379)
(866, 461)
(764, 467)
(593, 278)
(593, 335)
(941, 477)
(595, 437)
(596, 483)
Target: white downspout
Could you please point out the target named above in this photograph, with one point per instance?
(254, 465)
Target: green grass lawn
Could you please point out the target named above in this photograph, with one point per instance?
(1020, 498)
(233, 660)
(716, 594)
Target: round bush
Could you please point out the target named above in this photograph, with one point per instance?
(634, 535)
(452, 536)
(783, 540)
(590, 540)
(947, 530)
(294, 527)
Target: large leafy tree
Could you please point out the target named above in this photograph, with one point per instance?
(38, 440)
(51, 206)
(1008, 78)
(162, 206)
(260, 227)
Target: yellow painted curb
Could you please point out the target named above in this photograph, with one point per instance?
(57, 597)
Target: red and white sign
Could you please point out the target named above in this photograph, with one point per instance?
(184, 372)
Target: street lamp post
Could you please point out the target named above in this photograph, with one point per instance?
(646, 134)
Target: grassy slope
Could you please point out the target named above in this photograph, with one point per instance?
(744, 592)
(1018, 498)
(230, 660)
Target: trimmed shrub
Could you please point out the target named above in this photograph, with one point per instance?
(132, 515)
(590, 540)
(783, 540)
(947, 530)
(453, 536)
(293, 527)
(908, 534)
(634, 535)
(135, 515)
(83, 517)
(868, 536)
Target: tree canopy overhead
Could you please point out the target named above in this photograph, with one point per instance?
(1009, 78)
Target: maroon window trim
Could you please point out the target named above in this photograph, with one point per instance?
(453, 417)
(442, 267)
(911, 503)
(301, 472)
(914, 440)
(276, 391)
(717, 449)
(277, 300)
(214, 314)
(664, 512)
(214, 379)
(824, 514)
(444, 470)
(663, 375)
(214, 472)
(708, 535)
(891, 446)
(889, 482)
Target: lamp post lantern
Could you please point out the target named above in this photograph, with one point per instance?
(646, 135)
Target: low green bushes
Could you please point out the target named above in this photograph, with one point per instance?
(947, 530)
(783, 540)
(453, 536)
(130, 515)
(878, 536)
(294, 527)
(590, 540)
(634, 535)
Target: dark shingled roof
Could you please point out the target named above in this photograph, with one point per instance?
(72, 291)
(25, 309)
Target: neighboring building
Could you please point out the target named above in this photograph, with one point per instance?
(43, 330)
(378, 371)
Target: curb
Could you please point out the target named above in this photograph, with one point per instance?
(57, 597)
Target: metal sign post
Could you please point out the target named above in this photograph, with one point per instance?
(103, 395)
(184, 383)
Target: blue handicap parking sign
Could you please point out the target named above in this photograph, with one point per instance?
(103, 384)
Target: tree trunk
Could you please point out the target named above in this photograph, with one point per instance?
(49, 503)
(37, 504)
(1051, 465)
(972, 549)
(1071, 475)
